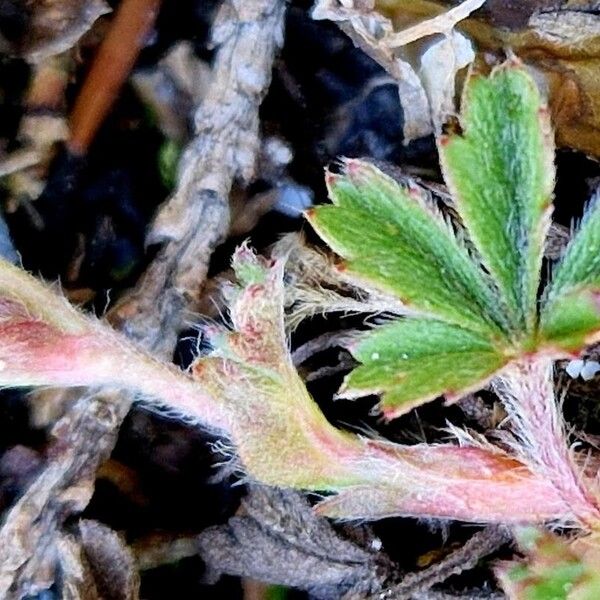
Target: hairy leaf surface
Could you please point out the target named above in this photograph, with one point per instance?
(501, 174)
(571, 313)
(412, 361)
(448, 482)
(396, 243)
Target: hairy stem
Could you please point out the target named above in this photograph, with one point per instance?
(527, 391)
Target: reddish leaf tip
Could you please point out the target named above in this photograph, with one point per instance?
(331, 178)
(340, 266)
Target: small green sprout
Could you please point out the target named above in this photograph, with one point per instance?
(553, 570)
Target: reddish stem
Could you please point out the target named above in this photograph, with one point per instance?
(527, 391)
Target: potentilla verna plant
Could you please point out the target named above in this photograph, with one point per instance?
(460, 307)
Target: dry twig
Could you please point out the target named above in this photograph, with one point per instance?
(112, 65)
(29, 544)
(417, 585)
(223, 152)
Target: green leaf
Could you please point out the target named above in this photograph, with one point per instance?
(501, 174)
(571, 312)
(412, 361)
(554, 570)
(572, 321)
(394, 242)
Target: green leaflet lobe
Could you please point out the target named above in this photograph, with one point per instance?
(394, 242)
(412, 361)
(571, 312)
(501, 174)
(553, 570)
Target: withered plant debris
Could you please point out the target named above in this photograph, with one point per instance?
(278, 538)
(558, 40)
(32, 530)
(224, 150)
(426, 86)
(111, 561)
(55, 26)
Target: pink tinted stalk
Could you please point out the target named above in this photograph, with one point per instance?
(527, 391)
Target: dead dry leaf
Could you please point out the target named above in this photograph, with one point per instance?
(444, 24)
(369, 30)
(77, 582)
(279, 539)
(440, 64)
(32, 528)
(111, 561)
(424, 70)
(559, 41)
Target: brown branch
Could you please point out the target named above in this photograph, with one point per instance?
(64, 487)
(42, 127)
(223, 151)
(191, 223)
(323, 342)
(111, 67)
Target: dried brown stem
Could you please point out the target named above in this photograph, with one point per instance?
(111, 67)
(418, 584)
(28, 537)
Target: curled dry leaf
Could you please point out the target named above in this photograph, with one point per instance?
(111, 561)
(77, 582)
(277, 538)
(31, 543)
(443, 23)
(94, 565)
(440, 62)
(560, 41)
(426, 84)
